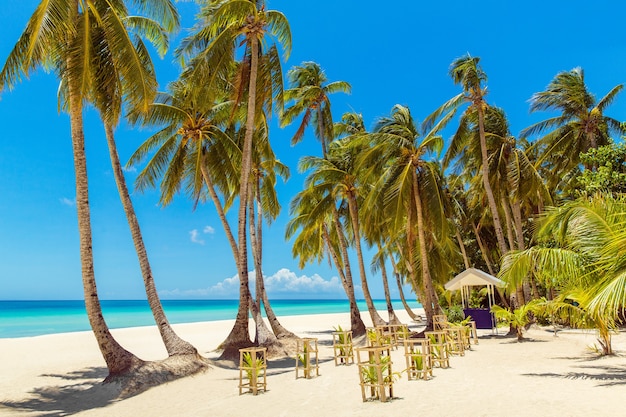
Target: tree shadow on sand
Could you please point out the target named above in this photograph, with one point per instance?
(607, 376)
(84, 391)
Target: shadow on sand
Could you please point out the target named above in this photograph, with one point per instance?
(68, 399)
(606, 376)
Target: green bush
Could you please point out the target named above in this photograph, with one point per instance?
(455, 314)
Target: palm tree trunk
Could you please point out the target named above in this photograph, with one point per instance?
(509, 221)
(344, 248)
(521, 297)
(519, 228)
(410, 312)
(118, 359)
(497, 224)
(428, 284)
(323, 138)
(422, 296)
(533, 292)
(459, 239)
(383, 271)
(356, 322)
(354, 213)
(264, 337)
(173, 343)
(220, 210)
(239, 336)
(256, 240)
(483, 250)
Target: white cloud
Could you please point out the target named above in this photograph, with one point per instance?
(194, 235)
(66, 201)
(129, 169)
(208, 230)
(284, 283)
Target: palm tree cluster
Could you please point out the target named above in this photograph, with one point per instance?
(386, 189)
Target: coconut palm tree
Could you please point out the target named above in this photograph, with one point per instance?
(467, 72)
(580, 253)
(409, 187)
(226, 25)
(349, 130)
(336, 175)
(309, 93)
(64, 36)
(263, 197)
(317, 232)
(113, 87)
(580, 126)
(512, 174)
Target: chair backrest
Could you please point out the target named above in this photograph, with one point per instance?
(440, 322)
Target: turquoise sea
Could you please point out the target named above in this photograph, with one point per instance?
(34, 318)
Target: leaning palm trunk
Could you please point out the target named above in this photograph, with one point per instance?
(521, 245)
(410, 312)
(356, 322)
(422, 296)
(426, 278)
(239, 335)
(344, 246)
(264, 337)
(519, 291)
(354, 213)
(497, 224)
(118, 359)
(508, 218)
(173, 343)
(483, 249)
(459, 239)
(392, 315)
(256, 240)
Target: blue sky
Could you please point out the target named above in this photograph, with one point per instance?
(391, 53)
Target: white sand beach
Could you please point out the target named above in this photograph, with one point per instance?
(60, 375)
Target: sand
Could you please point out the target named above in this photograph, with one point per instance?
(60, 375)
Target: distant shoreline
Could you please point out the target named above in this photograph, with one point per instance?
(40, 317)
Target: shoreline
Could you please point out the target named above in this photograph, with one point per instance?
(33, 318)
(61, 374)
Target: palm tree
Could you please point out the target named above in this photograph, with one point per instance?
(263, 196)
(409, 187)
(309, 92)
(350, 129)
(580, 253)
(226, 25)
(580, 126)
(114, 86)
(511, 173)
(467, 72)
(314, 222)
(62, 35)
(336, 176)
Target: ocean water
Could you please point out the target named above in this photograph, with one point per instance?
(34, 318)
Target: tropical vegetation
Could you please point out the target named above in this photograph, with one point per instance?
(544, 210)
